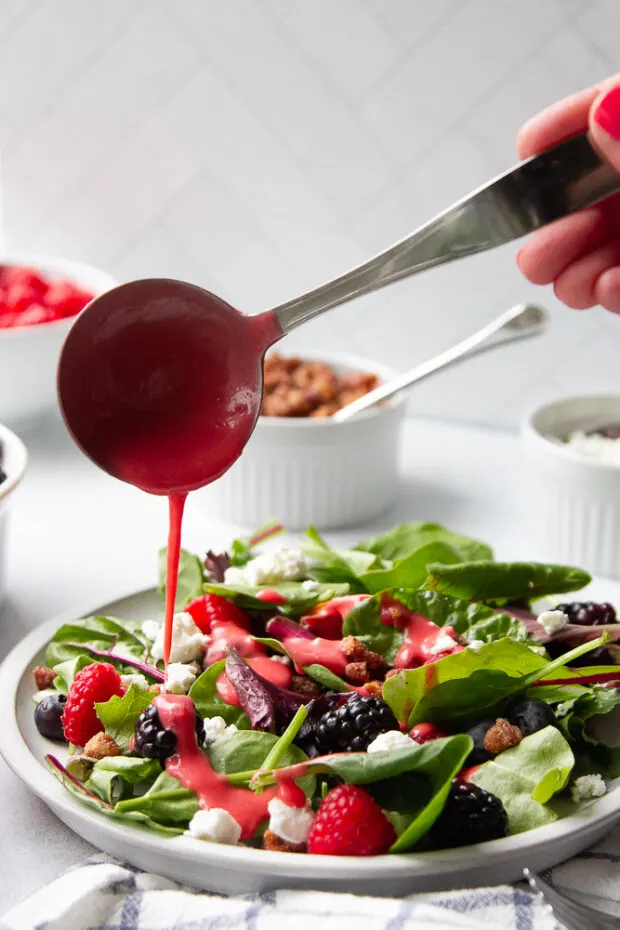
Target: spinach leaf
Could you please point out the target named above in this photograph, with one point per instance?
(324, 677)
(333, 566)
(84, 794)
(298, 598)
(113, 778)
(119, 714)
(247, 751)
(102, 639)
(406, 538)
(364, 623)
(526, 777)
(495, 673)
(191, 577)
(473, 621)
(166, 802)
(595, 743)
(492, 673)
(410, 572)
(504, 581)
(67, 670)
(204, 694)
(437, 762)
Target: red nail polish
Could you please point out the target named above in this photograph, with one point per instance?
(607, 113)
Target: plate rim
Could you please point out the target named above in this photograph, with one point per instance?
(31, 770)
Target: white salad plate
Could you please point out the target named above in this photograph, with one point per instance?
(241, 870)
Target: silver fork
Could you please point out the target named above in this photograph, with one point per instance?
(573, 914)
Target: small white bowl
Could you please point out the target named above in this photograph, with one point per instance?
(302, 470)
(14, 461)
(573, 499)
(29, 354)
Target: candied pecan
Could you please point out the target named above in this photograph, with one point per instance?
(353, 650)
(156, 689)
(101, 745)
(502, 735)
(277, 844)
(376, 663)
(305, 686)
(326, 410)
(357, 673)
(359, 380)
(43, 677)
(375, 688)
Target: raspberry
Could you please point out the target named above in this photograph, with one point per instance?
(66, 299)
(353, 726)
(471, 815)
(210, 609)
(350, 823)
(153, 741)
(20, 297)
(94, 684)
(27, 277)
(425, 732)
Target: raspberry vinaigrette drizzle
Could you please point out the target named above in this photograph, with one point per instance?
(176, 505)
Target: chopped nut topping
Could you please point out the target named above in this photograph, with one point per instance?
(354, 650)
(357, 673)
(294, 388)
(375, 688)
(43, 677)
(101, 745)
(277, 844)
(502, 735)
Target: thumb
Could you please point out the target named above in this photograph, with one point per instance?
(604, 123)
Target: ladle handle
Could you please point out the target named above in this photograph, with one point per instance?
(536, 192)
(519, 322)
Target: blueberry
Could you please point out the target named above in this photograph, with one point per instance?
(48, 717)
(532, 716)
(479, 754)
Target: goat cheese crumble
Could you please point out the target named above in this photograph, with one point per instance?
(216, 826)
(180, 678)
(269, 568)
(291, 824)
(137, 679)
(552, 621)
(393, 739)
(602, 448)
(588, 786)
(187, 640)
(216, 727)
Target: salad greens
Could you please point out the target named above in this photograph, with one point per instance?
(372, 598)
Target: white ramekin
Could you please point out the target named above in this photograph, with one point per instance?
(29, 354)
(573, 500)
(303, 470)
(14, 461)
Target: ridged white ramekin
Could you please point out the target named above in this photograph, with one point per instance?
(304, 470)
(573, 500)
(14, 462)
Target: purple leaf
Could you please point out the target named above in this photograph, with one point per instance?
(283, 629)
(268, 707)
(216, 565)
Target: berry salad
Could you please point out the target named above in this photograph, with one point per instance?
(405, 695)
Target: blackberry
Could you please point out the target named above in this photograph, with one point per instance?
(471, 815)
(48, 717)
(353, 726)
(479, 754)
(588, 613)
(155, 742)
(532, 716)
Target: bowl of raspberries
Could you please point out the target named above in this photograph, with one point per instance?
(39, 299)
(301, 463)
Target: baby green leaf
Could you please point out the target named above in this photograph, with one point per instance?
(364, 623)
(204, 694)
(119, 714)
(191, 577)
(504, 581)
(402, 540)
(409, 572)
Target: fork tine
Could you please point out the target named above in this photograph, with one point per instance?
(573, 914)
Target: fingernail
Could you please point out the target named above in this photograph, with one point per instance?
(607, 113)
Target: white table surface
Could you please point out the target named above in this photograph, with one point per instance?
(79, 538)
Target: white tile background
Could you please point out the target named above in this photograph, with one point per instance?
(259, 147)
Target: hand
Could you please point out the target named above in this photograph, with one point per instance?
(580, 254)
